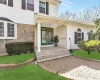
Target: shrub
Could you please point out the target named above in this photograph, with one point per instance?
(81, 45)
(93, 44)
(17, 48)
(89, 46)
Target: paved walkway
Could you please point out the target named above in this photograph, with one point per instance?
(74, 68)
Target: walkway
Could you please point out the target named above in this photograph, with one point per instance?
(74, 68)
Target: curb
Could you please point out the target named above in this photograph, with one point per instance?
(11, 66)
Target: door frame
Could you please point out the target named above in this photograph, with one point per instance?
(47, 29)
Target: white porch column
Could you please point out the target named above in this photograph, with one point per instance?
(38, 37)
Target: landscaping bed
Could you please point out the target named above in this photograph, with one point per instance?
(29, 72)
(84, 54)
(15, 59)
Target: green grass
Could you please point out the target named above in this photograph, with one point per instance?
(29, 72)
(15, 59)
(84, 54)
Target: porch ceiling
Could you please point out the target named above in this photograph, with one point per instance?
(57, 20)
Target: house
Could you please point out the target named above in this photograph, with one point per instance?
(38, 21)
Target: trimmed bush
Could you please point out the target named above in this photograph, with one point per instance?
(81, 45)
(89, 46)
(17, 48)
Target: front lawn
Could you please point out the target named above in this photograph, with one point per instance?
(29, 72)
(15, 59)
(84, 54)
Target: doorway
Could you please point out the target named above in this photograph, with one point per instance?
(46, 36)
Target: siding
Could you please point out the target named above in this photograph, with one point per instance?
(70, 33)
(18, 15)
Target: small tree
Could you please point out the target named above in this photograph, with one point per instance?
(91, 35)
(56, 40)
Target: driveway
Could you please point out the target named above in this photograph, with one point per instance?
(74, 68)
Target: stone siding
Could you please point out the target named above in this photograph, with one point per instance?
(25, 33)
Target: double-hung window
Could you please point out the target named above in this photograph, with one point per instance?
(78, 36)
(44, 7)
(3, 1)
(28, 5)
(1, 29)
(8, 30)
(7, 2)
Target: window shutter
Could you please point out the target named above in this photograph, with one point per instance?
(10, 3)
(75, 37)
(47, 8)
(24, 4)
(83, 36)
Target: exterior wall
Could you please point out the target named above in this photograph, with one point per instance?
(62, 34)
(25, 33)
(18, 15)
(53, 10)
(71, 28)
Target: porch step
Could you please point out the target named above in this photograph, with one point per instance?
(53, 53)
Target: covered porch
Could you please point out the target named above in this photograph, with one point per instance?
(45, 30)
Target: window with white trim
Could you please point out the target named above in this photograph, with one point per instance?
(79, 36)
(28, 5)
(44, 7)
(8, 30)
(1, 29)
(7, 2)
(3, 1)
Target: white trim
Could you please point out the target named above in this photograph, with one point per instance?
(39, 37)
(5, 30)
(26, 4)
(7, 3)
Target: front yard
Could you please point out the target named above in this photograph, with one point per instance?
(15, 59)
(84, 54)
(29, 72)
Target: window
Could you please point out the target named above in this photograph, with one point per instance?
(10, 3)
(7, 2)
(1, 29)
(44, 7)
(79, 36)
(8, 30)
(3, 1)
(28, 5)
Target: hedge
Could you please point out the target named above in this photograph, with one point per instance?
(17, 48)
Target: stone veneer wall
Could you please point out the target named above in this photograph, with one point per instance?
(25, 33)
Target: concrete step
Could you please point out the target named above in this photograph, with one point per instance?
(52, 55)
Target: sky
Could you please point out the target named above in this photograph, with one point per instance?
(77, 5)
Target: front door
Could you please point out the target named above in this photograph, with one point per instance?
(46, 36)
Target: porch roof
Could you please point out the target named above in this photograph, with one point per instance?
(45, 18)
